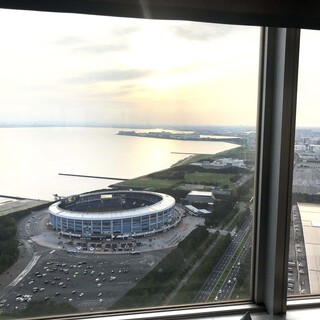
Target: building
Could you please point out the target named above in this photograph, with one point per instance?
(310, 224)
(222, 163)
(195, 211)
(300, 148)
(315, 149)
(220, 193)
(200, 196)
(113, 213)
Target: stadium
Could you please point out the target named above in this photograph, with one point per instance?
(113, 214)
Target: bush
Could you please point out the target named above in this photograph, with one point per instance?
(188, 292)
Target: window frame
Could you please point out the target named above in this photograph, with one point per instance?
(279, 57)
(277, 106)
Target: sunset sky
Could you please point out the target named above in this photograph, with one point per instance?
(79, 69)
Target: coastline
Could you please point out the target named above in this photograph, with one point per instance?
(180, 136)
(17, 205)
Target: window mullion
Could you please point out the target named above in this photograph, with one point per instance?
(277, 98)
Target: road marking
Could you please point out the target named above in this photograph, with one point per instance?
(90, 303)
(31, 264)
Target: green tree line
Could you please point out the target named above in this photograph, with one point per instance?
(305, 197)
(243, 284)
(223, 211)
(189, 291)
(9, 251)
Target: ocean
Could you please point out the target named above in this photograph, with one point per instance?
(32, 158)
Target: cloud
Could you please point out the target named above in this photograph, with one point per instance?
(126, 28)
(110, 75)
(115, 94)
(202, 32)
(97, 49)
(69, 40)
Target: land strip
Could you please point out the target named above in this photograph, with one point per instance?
(14, 206)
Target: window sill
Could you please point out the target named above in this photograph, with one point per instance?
(232, 312)
(298, 310)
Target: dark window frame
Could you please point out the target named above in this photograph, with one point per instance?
(279, 58)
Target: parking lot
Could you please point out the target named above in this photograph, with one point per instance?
(89, 282)
(306, 178)
(91, 275)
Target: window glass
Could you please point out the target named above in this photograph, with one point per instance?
(304, 258)
(128, 160)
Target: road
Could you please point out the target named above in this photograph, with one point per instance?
(225, 291)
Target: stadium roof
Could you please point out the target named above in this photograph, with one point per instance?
(200, 193)
(166, 203)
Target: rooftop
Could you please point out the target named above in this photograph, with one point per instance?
(310, 216)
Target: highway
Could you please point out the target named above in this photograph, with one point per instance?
(226, 289)
(229, 284)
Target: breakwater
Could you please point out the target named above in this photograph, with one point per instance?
(93, 177)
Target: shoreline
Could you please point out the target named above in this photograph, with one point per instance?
(180, 137)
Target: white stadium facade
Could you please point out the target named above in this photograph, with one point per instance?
(113, 214)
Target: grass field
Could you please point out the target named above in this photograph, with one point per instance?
(240, 153)
(217, 179)
(149, 183)
(192, 158)
(173, 177)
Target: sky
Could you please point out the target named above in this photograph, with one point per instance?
(308, 100)
(72, 69)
